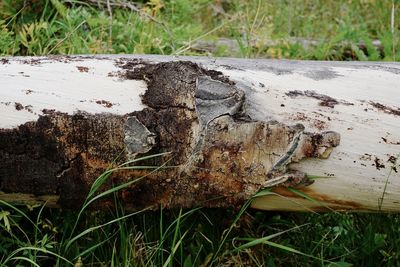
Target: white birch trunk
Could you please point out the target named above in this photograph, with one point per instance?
(360, 101)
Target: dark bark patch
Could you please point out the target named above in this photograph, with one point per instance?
(392, 159)
(171, 84)
(105, 103)
(29, 108)
(390, 142)
(18, 106)
(23, 74)
(46, 111)
(82, 69)
(325, 100)
(129, 64)
(366, 156)
(32, 61)
(60, 154)
(386, 109)
(28, 156)
(378, 163)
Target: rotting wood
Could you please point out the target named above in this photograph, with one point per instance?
(223, 148)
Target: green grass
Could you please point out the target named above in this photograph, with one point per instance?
(37, 236)
(51, 27)
(199, 237)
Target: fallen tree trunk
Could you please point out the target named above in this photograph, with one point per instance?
(232, 127)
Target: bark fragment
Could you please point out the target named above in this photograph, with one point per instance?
(325, 100)
(138, 140)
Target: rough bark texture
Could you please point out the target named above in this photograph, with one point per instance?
(220, 155)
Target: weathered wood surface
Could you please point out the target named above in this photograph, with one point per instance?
(233, 127)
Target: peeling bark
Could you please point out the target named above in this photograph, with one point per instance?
(223, 149)
(222, 156)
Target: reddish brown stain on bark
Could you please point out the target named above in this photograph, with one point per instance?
(313, 122)
(105, 103)
(334, 204)
(82, 69)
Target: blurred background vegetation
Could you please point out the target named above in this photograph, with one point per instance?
(278, 29)
(299, 29)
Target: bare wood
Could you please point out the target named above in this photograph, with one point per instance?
(233, 126)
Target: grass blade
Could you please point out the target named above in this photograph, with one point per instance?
(22, 249)
(25, 259)
(91, 229)
(174, 249)
(288, 249)
(262, 240)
